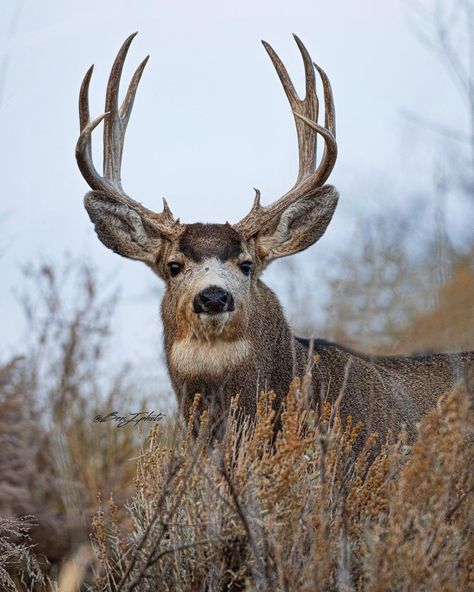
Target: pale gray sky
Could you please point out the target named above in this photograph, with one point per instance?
(210, 122)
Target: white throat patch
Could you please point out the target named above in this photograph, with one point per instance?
(193, 357)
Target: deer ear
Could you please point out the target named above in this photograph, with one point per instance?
(121, 228)
(299, 226)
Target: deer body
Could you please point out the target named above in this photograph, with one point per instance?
(384, 392)
(225, 332)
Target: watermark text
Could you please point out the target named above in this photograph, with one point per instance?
(130, 419)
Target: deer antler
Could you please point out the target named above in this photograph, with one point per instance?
(305, 112)
(115, 125)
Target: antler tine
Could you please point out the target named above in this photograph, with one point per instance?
(309, 106)
(328, 132)
(84, 143)
(115, 125)
(84, 115)
(305, 113)
(127, 105)
(330, 112)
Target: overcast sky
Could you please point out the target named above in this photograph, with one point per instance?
(210, 122)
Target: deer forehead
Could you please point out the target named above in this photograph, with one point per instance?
(205, 241)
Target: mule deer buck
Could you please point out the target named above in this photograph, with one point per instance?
(224, 329)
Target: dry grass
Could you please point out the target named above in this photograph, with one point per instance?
(298, 512)
(18, 563)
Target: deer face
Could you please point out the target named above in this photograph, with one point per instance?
(208, 272)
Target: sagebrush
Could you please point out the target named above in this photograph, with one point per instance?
(298, 511)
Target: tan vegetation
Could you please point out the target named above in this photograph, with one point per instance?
(297, 513)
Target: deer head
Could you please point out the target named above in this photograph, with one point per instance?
(211, 270)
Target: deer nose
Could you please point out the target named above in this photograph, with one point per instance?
(213, 300)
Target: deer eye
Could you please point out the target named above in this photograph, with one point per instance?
(246, 267)
(174, 268)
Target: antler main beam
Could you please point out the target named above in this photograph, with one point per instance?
(305, 113)
(115, 125)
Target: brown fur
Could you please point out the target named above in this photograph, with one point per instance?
(201, 241)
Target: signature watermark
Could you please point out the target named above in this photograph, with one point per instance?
(131, 418)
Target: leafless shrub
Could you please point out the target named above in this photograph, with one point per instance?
(54, 459)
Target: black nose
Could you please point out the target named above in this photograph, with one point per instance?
(213, 300)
